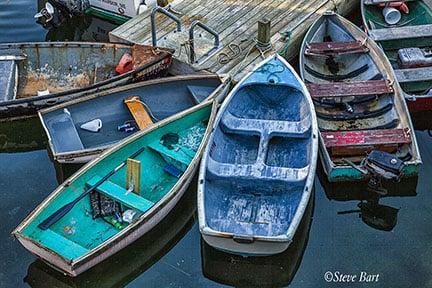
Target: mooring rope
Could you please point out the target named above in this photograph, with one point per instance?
(285, 49)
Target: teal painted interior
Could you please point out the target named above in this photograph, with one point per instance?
(88, 233)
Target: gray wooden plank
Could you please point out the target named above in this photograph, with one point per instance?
(298, 28)
(236, 24)
(203, 13)
(408, 32)
(235, 21)
(139, 34)
(288, 20)
(132, 29)
(238, 32)
(414, 74)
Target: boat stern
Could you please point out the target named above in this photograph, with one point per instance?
(244, 245)
(52, 259)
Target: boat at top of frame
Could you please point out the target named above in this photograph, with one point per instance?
(404, 31)
(37, 75)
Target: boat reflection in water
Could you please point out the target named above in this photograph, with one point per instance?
(64, 171)
(371, 212)
(269, 271)
(22, 136)
(129, 263)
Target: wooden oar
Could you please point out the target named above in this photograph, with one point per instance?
(60, 213)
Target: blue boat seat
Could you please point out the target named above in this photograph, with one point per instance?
(8, 80)
(65, 137)
(299, 129)
(61, 244)
(180, 158)
(118, 193)
(256, 171)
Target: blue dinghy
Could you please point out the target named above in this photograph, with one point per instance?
(258, 170)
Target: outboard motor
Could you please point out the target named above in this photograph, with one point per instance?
(382, 165)
(379, 165)
(51, 16)
(74, 7)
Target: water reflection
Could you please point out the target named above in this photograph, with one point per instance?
(371, 212)
(64, 171)
(270, 271)
(22, 136)
(129, 263)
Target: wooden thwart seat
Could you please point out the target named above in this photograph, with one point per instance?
(138, 111)
(256, 171)
(354, 143)
(336, 48)
(254, 126)
(397, 33)
(414, 74)
(118, 193)
(344, 89)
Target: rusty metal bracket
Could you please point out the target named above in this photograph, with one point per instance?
(191, 39)
(153, 22)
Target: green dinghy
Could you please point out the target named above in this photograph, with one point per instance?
(408, 46)
(168, 155)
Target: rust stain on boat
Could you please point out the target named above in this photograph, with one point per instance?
(43, 81)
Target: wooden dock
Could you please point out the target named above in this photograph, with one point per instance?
(235, 22)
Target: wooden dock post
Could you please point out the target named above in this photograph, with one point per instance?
(264, 32)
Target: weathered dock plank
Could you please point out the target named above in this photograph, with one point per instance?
(235, 21)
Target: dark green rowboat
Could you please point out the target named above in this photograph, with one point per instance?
(407, 45)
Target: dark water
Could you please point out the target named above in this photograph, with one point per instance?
(172, 254)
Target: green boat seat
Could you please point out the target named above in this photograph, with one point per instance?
(118, 193)
(345, 89)
(397, 33)
(8, 80)
(61, 244)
